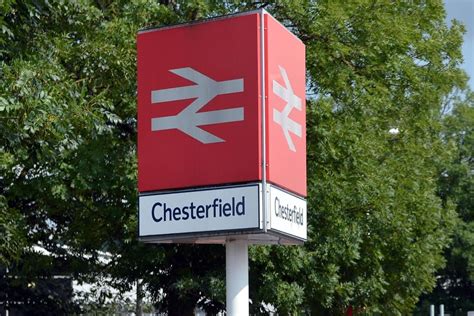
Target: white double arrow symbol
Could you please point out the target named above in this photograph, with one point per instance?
(188, 120)
(292, 101)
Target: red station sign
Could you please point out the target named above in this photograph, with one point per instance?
(219, 99)
(286, 109)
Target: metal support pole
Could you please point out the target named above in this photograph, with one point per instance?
(237, 277)
(441, 310)
(7, 303)
(432, 310)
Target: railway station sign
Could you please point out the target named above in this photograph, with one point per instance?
(221, 131)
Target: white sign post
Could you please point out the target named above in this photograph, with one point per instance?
(237, 277)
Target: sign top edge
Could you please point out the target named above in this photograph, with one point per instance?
(216, 18)
(281, 24)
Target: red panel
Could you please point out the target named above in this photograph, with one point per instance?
(223, 49)
(286, 154)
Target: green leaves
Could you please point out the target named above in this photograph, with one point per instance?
(455, 186)
(12, 238)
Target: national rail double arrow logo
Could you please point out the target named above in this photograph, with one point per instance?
(189, 120)
(292, 101)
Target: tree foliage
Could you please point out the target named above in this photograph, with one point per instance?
(378, 73)
(455, 283)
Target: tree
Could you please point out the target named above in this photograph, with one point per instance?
(67, 130)
(378, 73)
(11, 235)
(455, 283)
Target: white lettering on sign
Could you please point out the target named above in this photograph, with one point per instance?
(205, 210)
(188, 120)
(292, 101)
(288, 213)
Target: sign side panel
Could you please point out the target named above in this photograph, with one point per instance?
(286, 108)
(288, 213)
